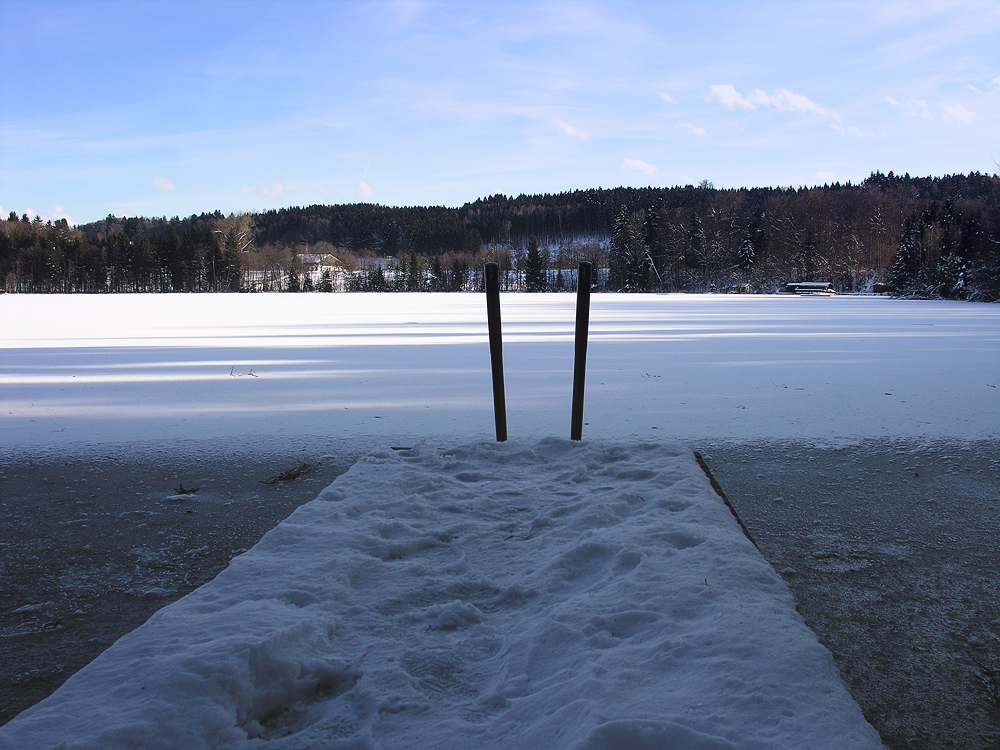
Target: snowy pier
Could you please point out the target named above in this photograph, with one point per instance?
(551, 594)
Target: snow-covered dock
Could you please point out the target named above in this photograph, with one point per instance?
(550, 594)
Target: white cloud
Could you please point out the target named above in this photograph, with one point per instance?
(995, 83)
(926, 110)
(407, 11)
(728, 96)
(852, 130)
(667, 98)
(697, 130)
(919, 108)
(162, 182)
(571, 130)
(273, 192)
(637, 165)
(57, 212)
(891, 101)
(364, 191)
(788, 101)
(958, 112)
(782, 100)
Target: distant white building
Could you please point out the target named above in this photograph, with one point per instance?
(314, 264)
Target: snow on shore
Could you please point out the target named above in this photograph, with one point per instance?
(550, 595)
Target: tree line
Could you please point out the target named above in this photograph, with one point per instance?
(916, 236)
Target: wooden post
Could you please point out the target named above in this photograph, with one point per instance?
(492, 273)
(580, 358)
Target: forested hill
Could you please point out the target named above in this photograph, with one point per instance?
(920, 235)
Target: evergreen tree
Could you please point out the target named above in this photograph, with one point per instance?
(654, 237)
(745, 257)
(902, 274)
(534, 268)
(807, 255)
(458, 276)
(325, 281)
(628, 261)
(414, 274)
(951, 277)
(294, 283)
(620, 251)
(695, 256)
(375, 279)
(757, 234)
(439, 280)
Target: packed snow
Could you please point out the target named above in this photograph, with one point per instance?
(550, 594)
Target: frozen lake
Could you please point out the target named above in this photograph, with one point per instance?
(108, 368)
(857, 437)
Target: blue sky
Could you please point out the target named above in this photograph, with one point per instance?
(174, 108)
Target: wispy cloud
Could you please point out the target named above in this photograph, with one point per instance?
(788, 101)
(638, 165)
(272, 192)
(995, 83)
(958, 112)
(406, 11)
(571, 130)
(667, 97)
(162, 182)
(782, 100)
(919, 107)
(852, 130)
(697, 130)
(728, 97)
(927, 110)
(363, 191)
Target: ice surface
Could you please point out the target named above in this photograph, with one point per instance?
(549, 594)
(118, 368)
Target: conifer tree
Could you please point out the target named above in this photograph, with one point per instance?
(294, 283)
(695, 256)
(325, 281)
(905, 266)
(745, 257)
(414, 274)
(534, 268)
(807, 255)
(654, 237)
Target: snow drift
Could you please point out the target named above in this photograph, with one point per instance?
(552, 595)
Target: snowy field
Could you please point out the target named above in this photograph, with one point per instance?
(777, 381)
(117, 368)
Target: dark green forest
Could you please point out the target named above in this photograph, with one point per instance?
(909, 236)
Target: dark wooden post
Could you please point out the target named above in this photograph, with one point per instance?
(492, 273)
(580, 359)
